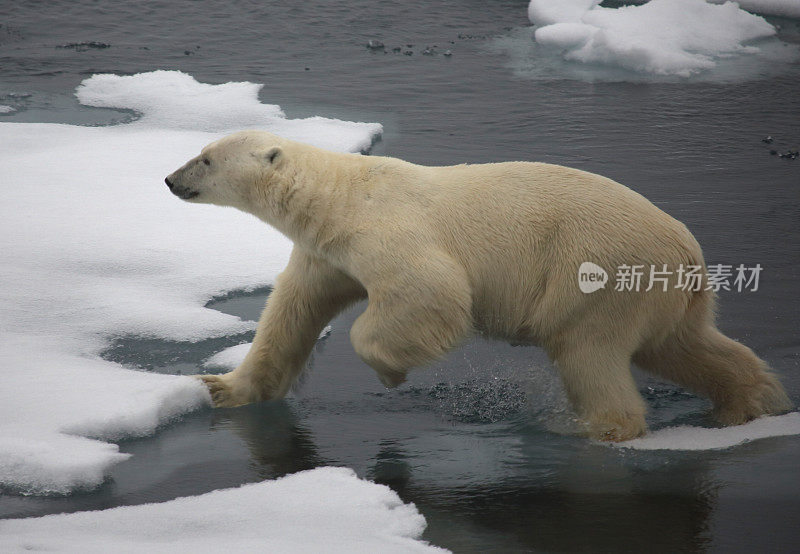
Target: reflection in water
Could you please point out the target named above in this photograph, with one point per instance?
(594, 498)
(278, 443)
(391, 467)
(552, 519)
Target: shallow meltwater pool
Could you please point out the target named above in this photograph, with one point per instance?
(483, 442)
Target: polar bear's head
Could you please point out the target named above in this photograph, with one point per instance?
(230, 171)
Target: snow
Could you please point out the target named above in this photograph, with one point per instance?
(661, 37)
(6, 109)
(228, 358)
(175, 100)
(699, 438)
(93, 245)
(548, 12)
(299, 513)
(231, 357)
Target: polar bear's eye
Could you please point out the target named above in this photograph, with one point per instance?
(206, 161)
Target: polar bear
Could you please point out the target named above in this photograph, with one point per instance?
(442, 252)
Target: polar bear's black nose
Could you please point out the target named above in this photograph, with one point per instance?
(169, 184)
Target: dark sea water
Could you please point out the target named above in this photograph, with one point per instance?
(481, 442)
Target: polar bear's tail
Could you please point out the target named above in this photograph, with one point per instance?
(699, 357)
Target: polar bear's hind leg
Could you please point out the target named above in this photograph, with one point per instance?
(600, 387)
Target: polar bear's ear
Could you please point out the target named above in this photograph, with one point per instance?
(274, 156)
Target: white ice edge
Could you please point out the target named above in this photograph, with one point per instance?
(325, 509)
(93, 245)
(700, 438)
(231, 357)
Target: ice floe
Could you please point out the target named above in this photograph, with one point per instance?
(228, 358)
(662, 37)
(700, 438)
(232, 356)
(325, 509)
(176, 100)
(93, 245)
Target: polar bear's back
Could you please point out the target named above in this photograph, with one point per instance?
(523, 229)
(522, 207)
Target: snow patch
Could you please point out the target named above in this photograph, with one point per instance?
(6, 109)
(55, 464)
(231, 357)
(93, 245)
(175, 100)
(326, 509)
(661, 37)
(548, 12)
(699, 438)
(228, 358)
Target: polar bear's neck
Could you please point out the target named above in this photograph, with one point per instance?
(311, 197)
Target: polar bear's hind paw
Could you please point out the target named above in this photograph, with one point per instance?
(617, 427)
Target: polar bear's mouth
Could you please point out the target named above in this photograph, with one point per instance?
(181, 192)
(185, 194)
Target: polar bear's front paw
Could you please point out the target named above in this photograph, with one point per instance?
(223, 393)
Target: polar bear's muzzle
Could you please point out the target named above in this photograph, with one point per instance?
(179, 191)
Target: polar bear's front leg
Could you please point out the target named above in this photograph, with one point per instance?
(307, 295)
(413, 317)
